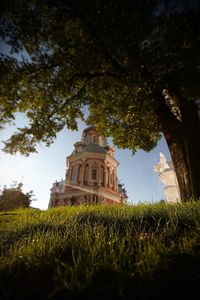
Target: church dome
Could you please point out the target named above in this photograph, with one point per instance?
(91, 136)
(89, 129)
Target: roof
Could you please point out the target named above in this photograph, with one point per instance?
(90, 128)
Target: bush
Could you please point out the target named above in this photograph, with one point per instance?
(13, 198)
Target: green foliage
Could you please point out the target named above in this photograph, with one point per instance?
(139, 251)
(116, 57)
(13, 198)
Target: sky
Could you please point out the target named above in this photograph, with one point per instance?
(38, 171)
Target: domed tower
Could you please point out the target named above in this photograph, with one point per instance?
(91, 174)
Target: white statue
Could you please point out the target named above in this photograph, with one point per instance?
(167, 176)
(162, 165)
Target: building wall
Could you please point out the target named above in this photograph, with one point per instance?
(91, 174)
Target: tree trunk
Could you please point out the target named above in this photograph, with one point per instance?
(191, 131)
(176, 144)
(183, 140)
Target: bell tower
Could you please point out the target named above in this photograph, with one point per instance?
(91, 174)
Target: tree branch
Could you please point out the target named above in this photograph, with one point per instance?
(49, 116)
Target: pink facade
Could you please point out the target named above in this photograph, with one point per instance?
(91, 174)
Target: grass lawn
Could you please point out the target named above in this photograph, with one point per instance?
(145, 251)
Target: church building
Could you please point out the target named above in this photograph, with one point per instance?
(91, 174)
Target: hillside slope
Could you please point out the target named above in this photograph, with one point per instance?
(146, 251)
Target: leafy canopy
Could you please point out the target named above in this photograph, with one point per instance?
(121, 59)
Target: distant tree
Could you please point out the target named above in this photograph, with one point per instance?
(135, 64)
(123, 190)
(13, 198)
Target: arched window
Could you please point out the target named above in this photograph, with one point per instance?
(94, 171)
(74, 173)
(112, 177)
(95, 139)
(88, 139)
(80, 172)
(94, 174)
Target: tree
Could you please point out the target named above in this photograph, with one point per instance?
(13, 198)
(135, 64)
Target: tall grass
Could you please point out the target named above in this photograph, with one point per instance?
(131, 252)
